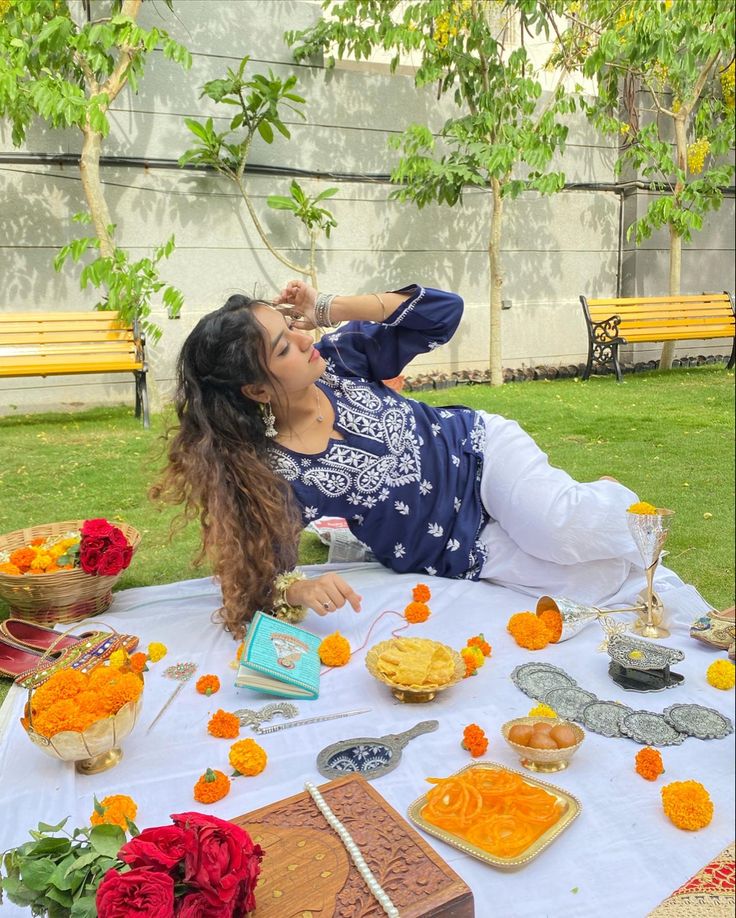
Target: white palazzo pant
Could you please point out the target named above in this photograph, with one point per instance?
(551, 534)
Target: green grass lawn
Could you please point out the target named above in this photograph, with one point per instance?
(669, 436)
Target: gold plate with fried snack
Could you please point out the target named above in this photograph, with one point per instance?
(415, 669)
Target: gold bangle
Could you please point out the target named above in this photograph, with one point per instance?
(383, 305)
(282, 608)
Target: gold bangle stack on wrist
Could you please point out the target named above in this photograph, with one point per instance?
(281, 607)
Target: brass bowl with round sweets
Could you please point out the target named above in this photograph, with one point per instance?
(554, 758)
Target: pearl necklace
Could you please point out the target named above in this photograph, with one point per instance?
(353, 850)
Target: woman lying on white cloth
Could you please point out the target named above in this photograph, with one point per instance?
(276, 430)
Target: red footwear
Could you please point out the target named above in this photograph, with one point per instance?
(16, 662)
(38, 637)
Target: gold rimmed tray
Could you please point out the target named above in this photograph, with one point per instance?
(571, 807)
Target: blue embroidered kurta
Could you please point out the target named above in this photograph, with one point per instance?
(406, 475)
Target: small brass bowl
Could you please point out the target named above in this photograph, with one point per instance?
(95, 749)
(414, 694)
(543, 760)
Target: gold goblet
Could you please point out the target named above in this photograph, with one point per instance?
(650, 531)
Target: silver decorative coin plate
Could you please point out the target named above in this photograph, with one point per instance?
(537, 683)
(569, 702)
(696, 720)
(604, 717)
(650, 729)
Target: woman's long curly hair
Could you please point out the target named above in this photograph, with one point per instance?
(218, 467)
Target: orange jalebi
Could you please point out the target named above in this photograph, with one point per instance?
(494, 810)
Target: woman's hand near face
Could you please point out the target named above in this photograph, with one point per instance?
(297, 300)
(323, 594)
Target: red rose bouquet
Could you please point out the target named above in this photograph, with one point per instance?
(200, 867)
(103, 548)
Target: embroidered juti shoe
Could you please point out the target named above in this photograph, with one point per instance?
(717, 629)
(39, 637)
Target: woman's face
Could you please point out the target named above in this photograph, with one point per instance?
(291, 357)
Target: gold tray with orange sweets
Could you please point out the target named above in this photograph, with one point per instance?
(494, 813)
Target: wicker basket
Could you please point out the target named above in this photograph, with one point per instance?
(63, 596)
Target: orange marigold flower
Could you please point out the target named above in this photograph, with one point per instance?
(66, 683)
(223, 724)
(8, 568)
(208, 685)
(22, 558)
(416, 612)
(62, 715)
(553, 620)
(211, 786)
(138, 662)
(334, 650)
(474, 740)
(649, 763)
(247, 757)
(102, 675)
(114, 810)
(479, 641)
(119, 691)
(687, 804)
(421, 593)
(528, 630)
(473, 659)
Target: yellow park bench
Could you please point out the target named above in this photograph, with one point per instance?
(61, 343)
(627, 320)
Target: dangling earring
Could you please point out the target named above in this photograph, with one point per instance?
(269, 419)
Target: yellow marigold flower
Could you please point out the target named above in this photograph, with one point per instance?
(41, 561)
(642, 507)
(118, 658)
(542, 710)
(334, 650)
(721, 674)
(156, 651)
(687, 804)
(113, 810)
(247, 757)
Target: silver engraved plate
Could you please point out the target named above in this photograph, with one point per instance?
(650, 729)
(569, 702)
(695, 720)
(604, 717)
(635, 654)
(537, 682)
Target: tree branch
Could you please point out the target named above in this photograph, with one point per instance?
(118, 78)
(262, 233)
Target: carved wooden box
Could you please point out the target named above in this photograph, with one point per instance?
(306, 871)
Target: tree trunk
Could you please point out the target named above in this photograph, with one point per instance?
(494, 262)
(668, 348)
(89, 168)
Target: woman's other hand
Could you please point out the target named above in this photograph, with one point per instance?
(323, 594)
(297, 300)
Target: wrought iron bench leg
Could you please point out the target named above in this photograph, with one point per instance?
(141, 398)
(732, 359)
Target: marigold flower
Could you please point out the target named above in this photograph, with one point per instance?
(138, 662)
(156, 651)
(421, 593)
(239, 651)
(101, 675)
(334, 650)
(8, 568)
(114, 810)
(223, 724)
(416, 612)
(474, 740)
(211, 786)
(721, 674)
(22, 558)
(528, 630)
(648, 763)
(642, 507)
(553, 620)
(247, 757)
(208, 685)
(473, 659)
(119, 691)
(479, 641)
(687, 804)
(66, 683)
(118, 658)
(62, 715)
(542, 710)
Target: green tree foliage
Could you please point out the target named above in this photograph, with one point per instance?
(66, 68)
(259, 102)
(681, 54)
(502, 136)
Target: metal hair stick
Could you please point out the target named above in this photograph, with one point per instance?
(310, 720)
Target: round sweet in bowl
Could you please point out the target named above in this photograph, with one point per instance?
(544, 759)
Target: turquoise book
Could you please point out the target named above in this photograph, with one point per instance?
(279, 659)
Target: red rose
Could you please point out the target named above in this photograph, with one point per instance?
(197, 905)
(111, 563)
(98, 528)
(95, 543)
(127, 556)
(139, 892)
(89, 560)
(160, 848)
(224, 865)
(117, 537)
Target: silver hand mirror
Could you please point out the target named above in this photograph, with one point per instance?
(370, 756)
